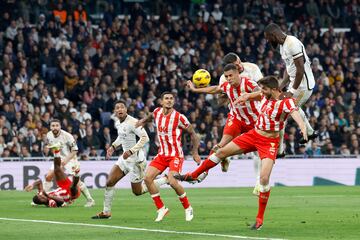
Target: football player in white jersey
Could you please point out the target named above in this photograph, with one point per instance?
(246, 69)
(132, 162)
(68, 156)
(298, 73)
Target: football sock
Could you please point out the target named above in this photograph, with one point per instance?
(257, 168)
(57, 153)
(208, 163)
(85, 191)
(157, 200)
(158, 183)
(281, 148)
(263, 199)
(184, 201)
(108, 198)
(309, 129)
(47, 185)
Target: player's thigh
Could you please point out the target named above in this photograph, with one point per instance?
(151, 173)
(302, 96)
(266, 168)
(114, 176)
(229, 149)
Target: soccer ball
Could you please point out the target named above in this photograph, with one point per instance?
(201, 78)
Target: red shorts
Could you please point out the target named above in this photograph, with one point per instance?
(234, 127)
(66, 184)
(162, 162)
(252, 141)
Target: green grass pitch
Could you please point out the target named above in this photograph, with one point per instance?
(293, 213)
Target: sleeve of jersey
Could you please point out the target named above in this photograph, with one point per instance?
(251, 85)
(117, 142)
(223, 86)
(222, 80)
(290, 105)
(155, 112)
(143, 139)
(183, 121)
(295, 49)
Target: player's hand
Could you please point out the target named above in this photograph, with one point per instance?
(285, 95)
(242, 99)
(127, 154)
(109, 152)
(197, 158)
(29, 188)
(190, 85)
(140, 123)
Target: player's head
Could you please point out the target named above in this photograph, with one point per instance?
(40, 199)
(231, 74)
(235, 59)
(167, 100)
(269, 85)
(120, 109)
(55, 126)
(273, 34)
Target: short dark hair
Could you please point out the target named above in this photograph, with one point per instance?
(166, 92)
(272, 27)
(55, 120)
(229, 67)
(269, 81)
(230, 58)
(121, 101)
(37, 200)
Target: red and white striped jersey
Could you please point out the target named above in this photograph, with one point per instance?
(62, 193)
(273, 113)
(247, 112)
(169, 130)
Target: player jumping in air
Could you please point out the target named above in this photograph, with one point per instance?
(170, 124)
(264, 138)
(298, 72)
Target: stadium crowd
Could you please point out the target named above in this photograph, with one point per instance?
(57, 63)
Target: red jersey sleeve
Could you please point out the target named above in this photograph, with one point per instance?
(183, 121)
(290, 105)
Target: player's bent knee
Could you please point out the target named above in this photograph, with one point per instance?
(264, 180)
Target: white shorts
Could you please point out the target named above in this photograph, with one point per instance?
(302, 96)
(70, 168)
(135, 169)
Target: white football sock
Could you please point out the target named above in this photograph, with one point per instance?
(214, 158)
(309, 129)
(85, 191)
(158, 183)
(47, 185)
(264, 188)
(257, 168)
(108, 198)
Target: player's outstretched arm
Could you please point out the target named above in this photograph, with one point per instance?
(74, 184)
(285, 80)
(195, 141)
(209, 90)
(37, 184)
(298, 119)
(255, 96)
(143, 139)
(142, 122)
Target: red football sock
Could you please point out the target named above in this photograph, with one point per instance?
(184, 201)
(157, 200)
(263, 199)
(205, 165)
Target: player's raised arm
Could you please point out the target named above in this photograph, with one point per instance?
(256, 96)
(74, 189)
(195, 142)
(300, 70)
(143, 139)
(37, 184)
(209, 90)
(142, 122)
(285, 81)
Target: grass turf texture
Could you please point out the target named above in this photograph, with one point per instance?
(293, 213)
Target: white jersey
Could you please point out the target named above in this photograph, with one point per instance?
(291, 49)
(127, 136)
(251, 70)
(67, 141)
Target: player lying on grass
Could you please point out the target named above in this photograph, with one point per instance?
(264, 138)
(132, 162)
(67, 190)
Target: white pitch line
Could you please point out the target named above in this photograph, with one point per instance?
(138, 229)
